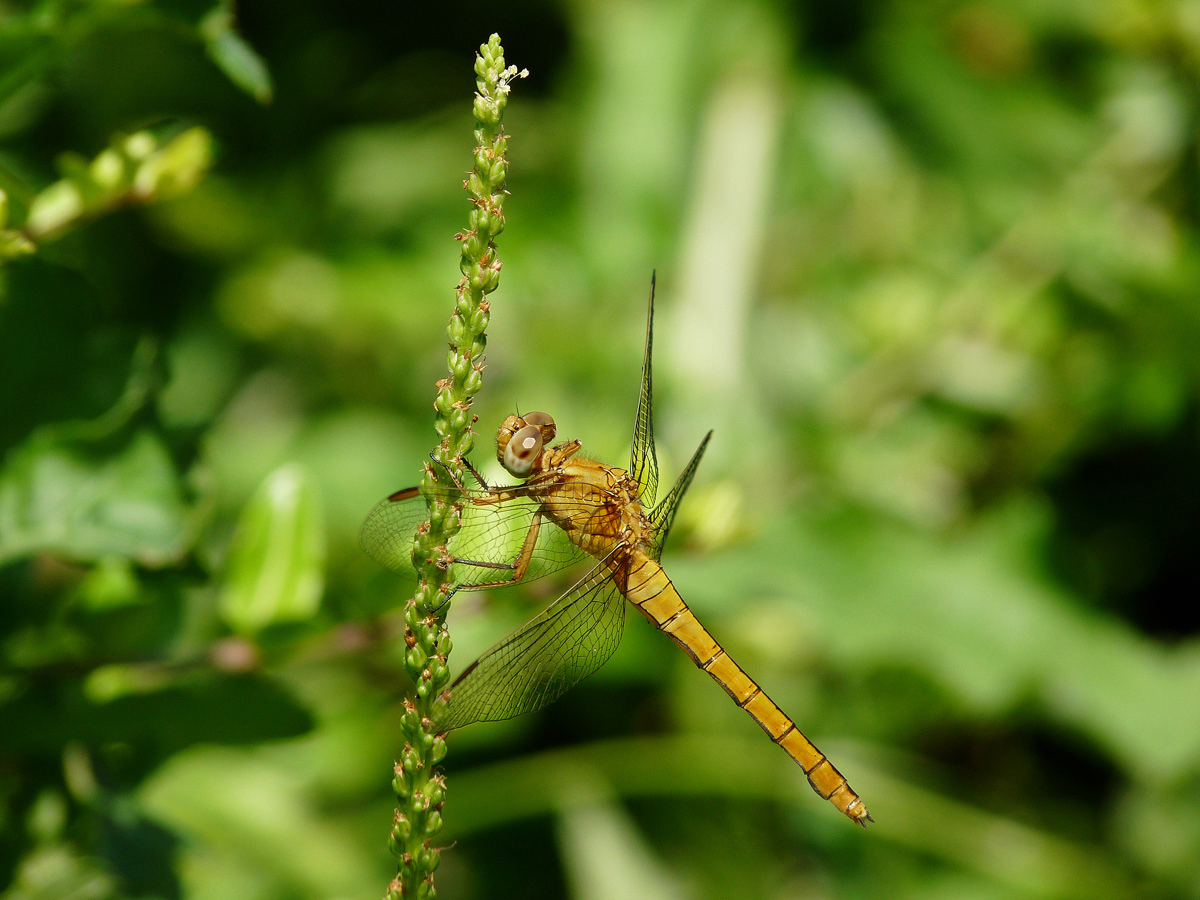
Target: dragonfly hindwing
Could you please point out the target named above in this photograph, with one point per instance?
(663, 515)
(537, 664)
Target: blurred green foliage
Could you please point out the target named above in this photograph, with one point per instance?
(929, 269)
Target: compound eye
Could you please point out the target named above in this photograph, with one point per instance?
(523, 448)
(544, 422)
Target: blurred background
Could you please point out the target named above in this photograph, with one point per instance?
(930, 271)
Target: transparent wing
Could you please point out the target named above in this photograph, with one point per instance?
(561, 646)
(643, 464)
(493, 532)
(663, 515)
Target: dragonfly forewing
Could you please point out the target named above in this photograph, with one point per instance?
(489, 543)
(643, 461)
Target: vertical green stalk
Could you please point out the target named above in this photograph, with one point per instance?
(419, 784)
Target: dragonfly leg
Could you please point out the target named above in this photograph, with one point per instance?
(475, 472)
(450, 593)
(518, 566)
(498, 493)
(458, 484)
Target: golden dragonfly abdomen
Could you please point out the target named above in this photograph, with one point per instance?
(647, 587)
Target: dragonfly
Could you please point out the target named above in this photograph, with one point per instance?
(566, 509)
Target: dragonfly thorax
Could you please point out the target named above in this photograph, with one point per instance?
(595, 504)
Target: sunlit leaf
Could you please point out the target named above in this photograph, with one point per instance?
(57, 496)
(237, 59)
(276, 568)
(606, 857)
(252, 822)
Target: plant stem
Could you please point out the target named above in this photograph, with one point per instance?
(419, 784)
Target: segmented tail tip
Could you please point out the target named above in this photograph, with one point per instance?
(858, 812)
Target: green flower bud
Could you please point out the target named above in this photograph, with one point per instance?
(427, 858)
(107, 170)
(54, 209)
(436, 517)
(401, 830)
(433, 827)
(416, 658)
(140, 145)
(473, 382)
(436, 794)
(456, 331)
(402, 783)
(438, 751)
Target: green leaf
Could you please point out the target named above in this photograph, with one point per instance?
(172, 169)
(55, 208)
(220, 709)
(57, 870)
(604, 854)
(276, 569)
(56, 497)
(233, 56)
(259, 823)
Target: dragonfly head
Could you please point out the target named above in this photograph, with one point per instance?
(520, 439)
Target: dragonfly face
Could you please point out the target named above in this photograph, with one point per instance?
(568, 510)
(520, 441)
